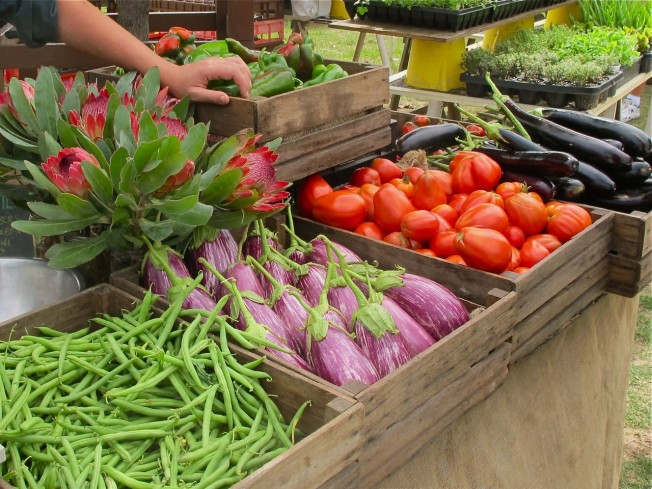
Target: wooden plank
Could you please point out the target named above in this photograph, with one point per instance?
(627, 277)
(536, 329)
(349, 477)
(404, 440)
(633, 234)
(329, 156)
(567, 263)
(559, 322)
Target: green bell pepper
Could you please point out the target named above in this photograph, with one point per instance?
(226, 86)
(236, 47)
(273, 82)
(215, 48)
(331, 72)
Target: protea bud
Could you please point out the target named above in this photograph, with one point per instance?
(175, 181)
(65, 170)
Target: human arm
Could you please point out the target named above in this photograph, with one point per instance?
(83, 27)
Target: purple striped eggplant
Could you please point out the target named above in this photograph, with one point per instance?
(432, 305)
(312, 283)
(220, 252)
(414, 335)
(386, 352)
(278, 272)
(319, 252)
(254, 246)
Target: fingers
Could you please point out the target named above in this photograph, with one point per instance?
(210, 96)
(229, 69)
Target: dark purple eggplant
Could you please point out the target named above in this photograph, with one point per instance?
(545, 163)
(517, 142)
(569, 188)
(638, 173)
(430, 138)
(596, 181)
(541, 185)
(627, 199)
(615, 144)
(557, 137)
(635, 141)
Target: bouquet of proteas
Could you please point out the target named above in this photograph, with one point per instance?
(126, 162)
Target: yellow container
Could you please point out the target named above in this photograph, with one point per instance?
(496, 34)
(563, 15)
(338, 11)
(435, 65)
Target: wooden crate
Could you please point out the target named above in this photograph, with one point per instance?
(332, 422)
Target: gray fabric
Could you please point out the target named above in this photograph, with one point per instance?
(35, 20)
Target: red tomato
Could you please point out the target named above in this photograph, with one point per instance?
(310, 190)
(350, 188)
(484, 249)
(403, 184)
(532, 252)
(515, 261)
(397, 239)
(456, 259)
(443, 244)
(387, 169)
(370, 230)
(341, 208)
(425, 251)
(482, 197)
(520, 270)
(427, 192)
(567, 220)
(446, 212)
(363, 175)
(444, 225)
(413, 173)
(407, 127)
(508, 189)
(488, 216)
(456, 201)
(475, 130)
(526, 212)
(474, 171)
(445, 181)
(367, 192)
(514, 235)
(421, 120)
(390, 205)
(420, 225)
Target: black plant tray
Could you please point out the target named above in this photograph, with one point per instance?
(503, 9)
(646, 63)
(430, 17)
(583, 98)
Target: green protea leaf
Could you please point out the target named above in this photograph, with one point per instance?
(101, 184)
(24, 108)
(41, 180)
(48, 146)
(73, 254)
(46, 101)
(77, 207)
(222, 187)
(52, 227)
(51, 212)
(194, 142)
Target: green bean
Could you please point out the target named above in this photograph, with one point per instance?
(165, 458)
(48, 477)
(72, 458)
(144, 385)
(216, 468)
(89, 367)
(144, 410)
(145, 467)
(81, 481)
(228, 406)
(195, 455)
(17, 374)
(160, 356)
(63, 466)
(78, 394)
(33, 370)
(36, 454)
(208, 411)
(181, 388)
(217, 480)
(254, 448)
(125, 480)
(185, 352)
(15, 408)
(257, 462)
(145, 306)
(136, 435)
(172, 313)
(62, 354)
(121, 357)
(110, 483)
(234, 364)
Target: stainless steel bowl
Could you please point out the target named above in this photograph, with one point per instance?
(29, 283)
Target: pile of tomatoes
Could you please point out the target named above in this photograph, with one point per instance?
(467, 216)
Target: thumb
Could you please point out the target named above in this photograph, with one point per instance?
(211, 96)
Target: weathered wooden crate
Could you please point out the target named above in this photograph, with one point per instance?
(332, 422)
(321, 126)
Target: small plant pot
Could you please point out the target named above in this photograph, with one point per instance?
(394, 14)
(349, 6)
(555, 99)
(646, 63)
(586, 102)
(528, 97)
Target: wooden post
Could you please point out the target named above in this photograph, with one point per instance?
(133, 15)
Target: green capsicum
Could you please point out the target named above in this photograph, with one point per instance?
(236, 47)
(331, 72)
(254, 69)
(215, 48)
(267, 61)
(226, 86)
(273, 82)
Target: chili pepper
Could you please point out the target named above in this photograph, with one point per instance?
(267, 61)
(236, 47)
(184, 35)
(169, 46)
(273, 82)
(332, 72)
(306, 62)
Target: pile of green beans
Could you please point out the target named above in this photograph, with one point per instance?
(135, 401)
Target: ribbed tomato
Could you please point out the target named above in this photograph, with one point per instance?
(456, 201)
(515, 262)
(367, 192)
(390, 205)
(386, 168)
(514, 235)
(428, 192)
(443, 244)
(456, 259)
(363, 175)
(413, 173)
(397, 239)
(508, 189)
(484, 249)
(403, 184)
(485, 216)
(474, 171)
(565, 220)
(482, 197)
(526, 212)
(420, 225)
(425, 251)
(446, 212)
(341, 208)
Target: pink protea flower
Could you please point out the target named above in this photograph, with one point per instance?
(6, 101)
(65, 170)
(258, 179)
(174, 126)
(175, 181)
(93, 113)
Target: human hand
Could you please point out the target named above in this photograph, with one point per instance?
(192, 79)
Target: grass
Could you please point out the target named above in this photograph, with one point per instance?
(637, 461)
